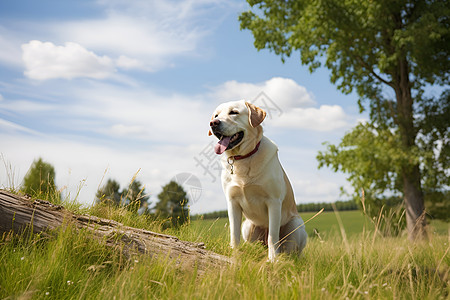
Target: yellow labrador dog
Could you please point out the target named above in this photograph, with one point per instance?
(254, 182)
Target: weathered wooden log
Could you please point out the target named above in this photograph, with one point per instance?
(18, 213)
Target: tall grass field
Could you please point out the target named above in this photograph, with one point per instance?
(345, 258)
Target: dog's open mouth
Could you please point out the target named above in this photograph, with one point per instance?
(228, 142)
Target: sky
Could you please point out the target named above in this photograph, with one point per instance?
(117, 89)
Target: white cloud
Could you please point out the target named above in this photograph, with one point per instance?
(127, 130)
(125, 62)
(147, 35)
(141, 113)
(324, 118)
(285, 92)
(44, 60)
(125, 34)
(143, 35)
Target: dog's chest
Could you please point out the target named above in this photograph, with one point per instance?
(253, 201)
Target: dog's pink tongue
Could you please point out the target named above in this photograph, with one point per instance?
(222, 145)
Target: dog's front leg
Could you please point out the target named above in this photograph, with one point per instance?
(274, 211)
(235, 217)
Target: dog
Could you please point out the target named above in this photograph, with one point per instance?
(254, 182)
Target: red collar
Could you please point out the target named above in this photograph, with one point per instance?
(238, 157)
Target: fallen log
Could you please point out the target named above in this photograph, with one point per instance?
(18, 213)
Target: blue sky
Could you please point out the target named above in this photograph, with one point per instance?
(104, 89)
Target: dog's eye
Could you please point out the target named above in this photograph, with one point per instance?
(233, 112)
(216, 116)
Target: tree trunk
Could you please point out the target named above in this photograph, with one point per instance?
(19, 213)
(412, 190)
(415, 210)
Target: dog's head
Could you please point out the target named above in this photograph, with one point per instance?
(237, 126)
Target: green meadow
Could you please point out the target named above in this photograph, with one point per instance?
(346, 258)
(326, 225)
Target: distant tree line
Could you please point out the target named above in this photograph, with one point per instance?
(306, 207)
(211, 215)
(340, 206)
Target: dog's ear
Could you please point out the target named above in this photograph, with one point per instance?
(255, 114)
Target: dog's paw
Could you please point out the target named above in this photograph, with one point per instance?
(272, 259)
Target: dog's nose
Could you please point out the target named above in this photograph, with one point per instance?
(214, 123)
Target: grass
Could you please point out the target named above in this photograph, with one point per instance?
(73, 265)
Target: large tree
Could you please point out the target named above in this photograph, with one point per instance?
(374, 48)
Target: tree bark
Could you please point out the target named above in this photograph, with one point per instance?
(412, 187)
(414, 204)
(20, 213)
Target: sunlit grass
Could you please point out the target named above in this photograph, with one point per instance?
(71, 264)
(74, 265)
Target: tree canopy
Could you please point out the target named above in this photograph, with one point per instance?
(375, 48)
(359, 41)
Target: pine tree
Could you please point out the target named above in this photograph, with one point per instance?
(173, 204)
(39, 182)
